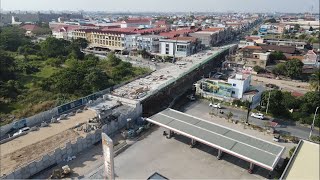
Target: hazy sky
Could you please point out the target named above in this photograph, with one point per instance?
(165, 5)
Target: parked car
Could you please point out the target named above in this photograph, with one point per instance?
(216, 105)
(25, 129)
(276, 138)
(257, 115)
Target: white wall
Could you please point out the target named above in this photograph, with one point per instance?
(240, 86)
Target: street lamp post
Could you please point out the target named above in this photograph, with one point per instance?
(312, 125)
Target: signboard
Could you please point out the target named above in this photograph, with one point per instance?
(107, 146)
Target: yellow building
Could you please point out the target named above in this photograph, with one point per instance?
(112, 40)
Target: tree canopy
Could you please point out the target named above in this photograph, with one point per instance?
(291, 68)
(12, 38)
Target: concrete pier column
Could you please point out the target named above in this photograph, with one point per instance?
(193, 143)
(170, 134)
(219, 154)
(251, 168)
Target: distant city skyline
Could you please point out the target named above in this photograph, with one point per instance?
(292, 6)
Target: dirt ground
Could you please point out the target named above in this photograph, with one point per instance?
(301, 87)
(45, 132)
(37, 143)
(34, 151)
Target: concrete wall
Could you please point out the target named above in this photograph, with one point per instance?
(56, 156)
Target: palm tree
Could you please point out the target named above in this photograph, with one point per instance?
(315, 81)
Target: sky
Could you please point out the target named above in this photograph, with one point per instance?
(165, 5)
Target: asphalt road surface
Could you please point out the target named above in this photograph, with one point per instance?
(284, 127)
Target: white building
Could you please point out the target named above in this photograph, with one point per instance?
(179, 46)
(240, 84)
(235, 88)
(135, 22)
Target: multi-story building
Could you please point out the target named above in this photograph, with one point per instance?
(207, 38)
(179, 46)
(64, 32)
(282, 42)
(139, 42)
(112, 40)
(213, 36)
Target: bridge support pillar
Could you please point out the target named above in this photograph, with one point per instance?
(219, 154)
(251, 168)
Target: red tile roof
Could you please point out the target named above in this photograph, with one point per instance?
(66, 27)
(137, 20)
(213, 29)
(172, 34)
(252, 38)
(30, 27)
(253, 47)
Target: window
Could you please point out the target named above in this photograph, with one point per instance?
(234, 85)
(182, 48)
(233, 92)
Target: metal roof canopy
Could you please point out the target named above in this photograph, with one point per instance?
(246, 147)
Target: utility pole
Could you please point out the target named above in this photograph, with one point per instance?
(268, 103)
(312, 125)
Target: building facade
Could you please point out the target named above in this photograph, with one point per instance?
(112, 40)
(237, 87)
(179, 46)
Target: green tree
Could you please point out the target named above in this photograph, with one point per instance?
(229, 115)
(255, 32)
(54, 62)
(7, 66)
(290, 102)
(310, 101)
(113, 59)
(277, 55)
(296, 27)
(291, 151)
(11, 38)
(276, 106)
(53, 47)
(272, 20)
(315, 81)
(280, 69)
(302, 36)
(96, 80)
(294, 68)
(10, 89)
(80, 43)
(258, 69)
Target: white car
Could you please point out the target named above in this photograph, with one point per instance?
(25, 129)
(257, 115)
(215, 105)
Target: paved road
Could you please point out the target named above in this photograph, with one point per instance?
(284, 127)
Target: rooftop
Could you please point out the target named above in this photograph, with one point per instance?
(249, 148)
(304, 163)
